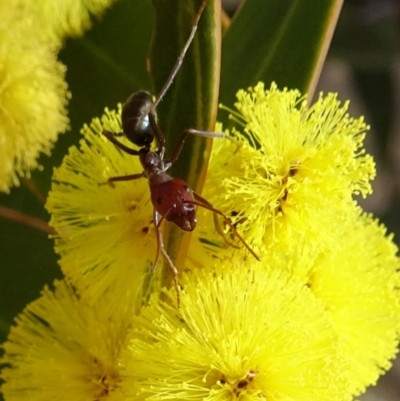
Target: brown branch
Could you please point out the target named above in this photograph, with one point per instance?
(23, 218)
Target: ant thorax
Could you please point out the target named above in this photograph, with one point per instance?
(154, 167)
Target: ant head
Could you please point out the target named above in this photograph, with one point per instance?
(135, 119)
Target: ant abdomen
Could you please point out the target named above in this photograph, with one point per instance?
(173, 199)
(135, 119)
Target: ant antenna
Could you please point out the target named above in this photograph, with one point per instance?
(178, 63)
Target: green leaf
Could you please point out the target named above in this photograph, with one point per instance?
(191, 101)
(283, 41)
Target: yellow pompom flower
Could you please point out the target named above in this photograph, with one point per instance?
(288, 166)
(55, 20)
(105, 235)
(32, 97)
(359, 282)
(64, 347)
(247, 334)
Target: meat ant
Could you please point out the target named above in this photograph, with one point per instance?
(172, 198)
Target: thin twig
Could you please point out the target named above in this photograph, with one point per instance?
(23, 218)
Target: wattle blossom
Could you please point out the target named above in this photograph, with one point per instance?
(64, 347)
(105, 234)
(288, 166)
(33, 97)
(54, 21)
(247, 333)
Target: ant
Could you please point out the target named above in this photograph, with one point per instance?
(172, 198)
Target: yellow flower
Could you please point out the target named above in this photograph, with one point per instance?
(358, 279)
(359, 282)
(248, 333)
(105, 235)
(56, 20)
(65, 348)
(32, 97)
(287, 182)
(288, 166)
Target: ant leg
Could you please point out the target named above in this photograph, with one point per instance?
(221, 232)
(116, 133)
(190, 131)
(156, 129)
(179, 61)
(160, 248)
(160, 244)
(111, 137)
(200, 201)
(128, 177)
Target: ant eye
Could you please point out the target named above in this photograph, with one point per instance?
(159, 200)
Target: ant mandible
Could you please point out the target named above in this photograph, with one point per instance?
(172, 198)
